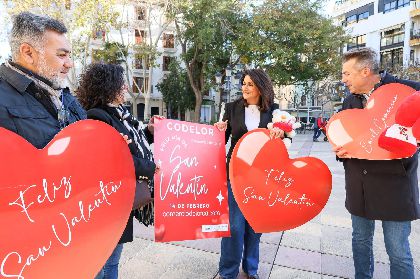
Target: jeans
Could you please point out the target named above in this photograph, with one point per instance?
(317, 133)
(243, 244)
(396, 243)
(110, 269)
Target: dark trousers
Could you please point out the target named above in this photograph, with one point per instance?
(243, 245)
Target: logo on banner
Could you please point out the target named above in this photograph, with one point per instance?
(63, 208)
(190, 188)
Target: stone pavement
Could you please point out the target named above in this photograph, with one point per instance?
(319, 249)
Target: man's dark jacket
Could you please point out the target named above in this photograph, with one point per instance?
(382, 190)
(25, 109)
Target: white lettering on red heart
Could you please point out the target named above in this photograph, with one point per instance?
(278, 177)
(378, 127)
(49, 194)
(46, 195)
(278, 197)
(282, 197)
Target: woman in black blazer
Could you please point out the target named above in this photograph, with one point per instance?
(253, 110)
(101, 93)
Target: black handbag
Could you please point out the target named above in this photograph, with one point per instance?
(142, 196)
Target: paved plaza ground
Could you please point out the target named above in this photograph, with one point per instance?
(318, 249)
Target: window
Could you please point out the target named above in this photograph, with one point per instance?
(412, 57)
(363, 16)
(396, 4)
(168, 40)
(356, 18)
(139, 34)
(351, 19)
(390, 6)
(154, 110)
(138, 63)
(140, 13)
(139, 84)
(403, 3)
(140, 111)
(356, 42)
(166, 62)
(391, 58)
(393, 36)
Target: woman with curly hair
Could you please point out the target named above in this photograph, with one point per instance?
(254, 110)
(101, 93)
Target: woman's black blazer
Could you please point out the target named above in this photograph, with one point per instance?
(235, 114)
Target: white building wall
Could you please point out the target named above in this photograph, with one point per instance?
(376, 23)
(5, 26)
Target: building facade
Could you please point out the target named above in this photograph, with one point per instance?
(143, 28)
(391, 27)
(146, 31)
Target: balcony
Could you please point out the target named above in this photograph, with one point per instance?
(415, 8)
(415, 37)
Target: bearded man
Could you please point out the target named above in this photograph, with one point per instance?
(34, 101)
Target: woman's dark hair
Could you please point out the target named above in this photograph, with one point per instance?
(100, 85)
(264, 85)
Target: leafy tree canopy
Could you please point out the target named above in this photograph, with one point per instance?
(292, 40)
(176, 89)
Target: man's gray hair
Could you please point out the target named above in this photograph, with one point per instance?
(30, 28)
(365, 57)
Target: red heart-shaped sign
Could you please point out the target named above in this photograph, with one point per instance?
(274, 192)
(63, 208)
(358, 130)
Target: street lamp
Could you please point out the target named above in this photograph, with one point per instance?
(218, 77)
(232, 77)
(228, 81)
(228, 71)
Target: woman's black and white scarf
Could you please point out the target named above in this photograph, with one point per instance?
(145, 214)
(136, 131)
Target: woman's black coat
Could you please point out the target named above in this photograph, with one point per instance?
(235, 114)
(143, 167)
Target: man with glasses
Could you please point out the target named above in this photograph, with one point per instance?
(34, 101)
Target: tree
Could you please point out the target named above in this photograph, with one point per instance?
(292, 41)
(111, 52)
(152, 19)
(205, 32)
(411, 71)
(176, 90)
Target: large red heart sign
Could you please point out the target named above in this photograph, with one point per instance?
(274, 192)
(63, 208)
(358, 130)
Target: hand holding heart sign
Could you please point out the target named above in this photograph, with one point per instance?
(275, 192)
(358, 130)
(63, 208)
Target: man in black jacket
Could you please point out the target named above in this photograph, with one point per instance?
(378, 190)
(33, 100)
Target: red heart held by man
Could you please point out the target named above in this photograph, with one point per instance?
(63, 208)
(274, 192)
(358, 130)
